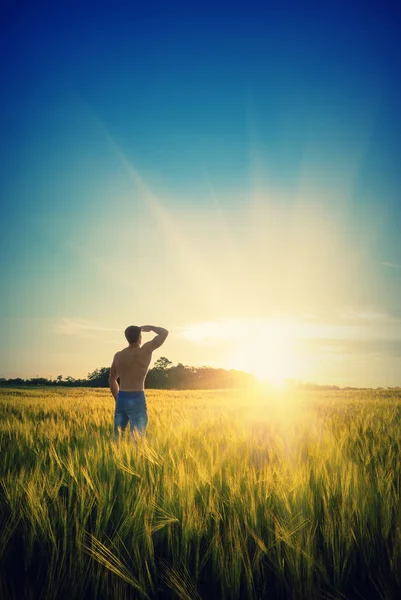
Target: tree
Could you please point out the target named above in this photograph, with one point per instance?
(157, 377)
(162, 363)
(39, 381)
(99, 377)
(179, 377)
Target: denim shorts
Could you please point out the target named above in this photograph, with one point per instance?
(130, 406)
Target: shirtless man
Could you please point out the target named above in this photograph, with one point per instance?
(131, 365)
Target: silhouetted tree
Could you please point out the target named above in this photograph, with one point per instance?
(39, 381)
(99, 377)
(157, 376)
(165, 375)
(162, 363)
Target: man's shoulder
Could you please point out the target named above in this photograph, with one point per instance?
(147, 347)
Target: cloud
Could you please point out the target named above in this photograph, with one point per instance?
(207, 332)
(391, 265)
(367, 316)
(239, 329)
(79, 327)
(363, 325)
(353, 348)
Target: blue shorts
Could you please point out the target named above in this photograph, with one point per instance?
(130, 406)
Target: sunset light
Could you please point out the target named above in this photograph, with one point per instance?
(259, 222)
(200, 324)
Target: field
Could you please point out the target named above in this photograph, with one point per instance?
(230, 496)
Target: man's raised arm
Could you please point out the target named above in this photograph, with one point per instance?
(161, 335)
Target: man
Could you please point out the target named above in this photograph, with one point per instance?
(131, 365)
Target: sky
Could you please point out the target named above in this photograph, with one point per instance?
(232, 175)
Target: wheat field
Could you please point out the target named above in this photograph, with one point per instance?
(231, 495)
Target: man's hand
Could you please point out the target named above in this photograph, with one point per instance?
(158, 340)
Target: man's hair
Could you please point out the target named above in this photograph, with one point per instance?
(132, 333)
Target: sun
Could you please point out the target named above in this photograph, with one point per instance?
(270, 357)
(266, 348)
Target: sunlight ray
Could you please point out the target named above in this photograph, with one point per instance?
(195, 269)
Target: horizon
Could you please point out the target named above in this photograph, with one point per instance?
(233, 178)
(284, 385)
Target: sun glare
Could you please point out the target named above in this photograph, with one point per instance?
(265, 348)
(270, 357)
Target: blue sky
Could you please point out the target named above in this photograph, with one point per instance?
(188, 166)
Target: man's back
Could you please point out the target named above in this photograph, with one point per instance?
(132, 365)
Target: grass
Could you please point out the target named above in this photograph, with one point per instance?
(229, 496)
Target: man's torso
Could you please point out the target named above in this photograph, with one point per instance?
(132, 365)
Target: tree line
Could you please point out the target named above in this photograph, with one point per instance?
(163, 375)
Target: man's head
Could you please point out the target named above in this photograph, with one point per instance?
(133, 334)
